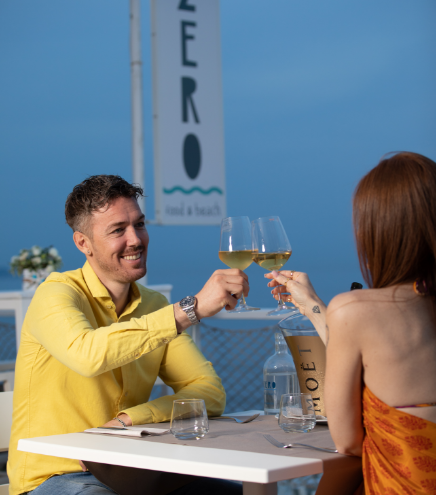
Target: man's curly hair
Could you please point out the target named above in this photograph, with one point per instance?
(93, 194)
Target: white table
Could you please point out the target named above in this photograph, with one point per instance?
(258, 472)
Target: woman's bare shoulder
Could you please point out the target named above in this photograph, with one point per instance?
(396, 293)
(352, 298)
(351, 307)
(364, 308)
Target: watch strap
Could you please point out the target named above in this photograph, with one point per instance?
(190, 313)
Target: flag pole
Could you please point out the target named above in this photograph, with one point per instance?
(137, 106)
(137, 115)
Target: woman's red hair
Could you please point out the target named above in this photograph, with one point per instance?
(394, 216)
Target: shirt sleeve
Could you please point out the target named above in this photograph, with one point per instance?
(190, 375)
(57, 320)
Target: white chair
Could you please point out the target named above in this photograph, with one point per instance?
(7, 375)
(7, 381)
(5, 428)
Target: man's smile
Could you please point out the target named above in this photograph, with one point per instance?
(132, 257)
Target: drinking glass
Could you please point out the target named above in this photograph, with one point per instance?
(271, 250)
(235, 250)
(189, 419)
(297, 413)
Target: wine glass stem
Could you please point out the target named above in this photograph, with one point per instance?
(281, 303)
(243, 301)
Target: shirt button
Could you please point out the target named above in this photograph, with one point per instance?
(165, 341)
(109, 306)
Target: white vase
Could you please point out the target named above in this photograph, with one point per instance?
(32, 278)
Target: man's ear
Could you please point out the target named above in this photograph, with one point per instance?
(83, 243)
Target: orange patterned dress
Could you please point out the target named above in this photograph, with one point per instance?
(399, 450)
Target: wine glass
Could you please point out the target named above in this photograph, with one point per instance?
(271, 250)
(235, 250)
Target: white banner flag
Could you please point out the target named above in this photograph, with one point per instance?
(188, 112)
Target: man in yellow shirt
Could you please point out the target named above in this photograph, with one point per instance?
(93, 343)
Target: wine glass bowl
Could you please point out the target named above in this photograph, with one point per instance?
(271, 249)
(236, 251)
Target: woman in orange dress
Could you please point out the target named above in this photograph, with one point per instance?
(380, 388)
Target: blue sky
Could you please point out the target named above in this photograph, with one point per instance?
(314, 94)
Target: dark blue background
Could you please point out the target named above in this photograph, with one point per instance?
(314, 94)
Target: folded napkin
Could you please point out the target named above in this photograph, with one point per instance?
(129, 431)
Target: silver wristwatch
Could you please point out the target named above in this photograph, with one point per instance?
(188, 305)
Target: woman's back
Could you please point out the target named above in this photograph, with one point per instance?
(385, 337)
(396, 331)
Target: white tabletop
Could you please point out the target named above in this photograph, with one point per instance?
(259, 472)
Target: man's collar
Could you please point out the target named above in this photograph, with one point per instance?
(135, 299)
(97, 289)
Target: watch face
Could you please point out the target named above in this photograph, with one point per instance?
(186, 302)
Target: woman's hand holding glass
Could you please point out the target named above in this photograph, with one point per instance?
(296, 288)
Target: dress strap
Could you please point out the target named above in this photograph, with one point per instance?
(430, 404)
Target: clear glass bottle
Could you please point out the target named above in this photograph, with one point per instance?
(279, 376)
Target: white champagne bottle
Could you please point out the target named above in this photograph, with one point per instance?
(279, 376)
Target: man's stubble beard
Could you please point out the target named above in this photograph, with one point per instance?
(111, 271)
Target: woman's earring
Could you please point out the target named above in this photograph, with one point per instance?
(89, 252)
(420, 287)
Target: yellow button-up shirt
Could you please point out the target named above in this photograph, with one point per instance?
(79, 365)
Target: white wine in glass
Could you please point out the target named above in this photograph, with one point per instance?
(271, 261)
(236, 259)
(235, 250)
(271, 250)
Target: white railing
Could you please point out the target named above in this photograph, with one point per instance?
(261, 314)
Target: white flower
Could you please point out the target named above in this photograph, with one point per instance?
(14, 259)
(53, 252)
(24, 255)
(49, 268)
(36, 260)
(36, 250)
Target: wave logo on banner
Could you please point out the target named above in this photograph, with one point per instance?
(193, 189)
